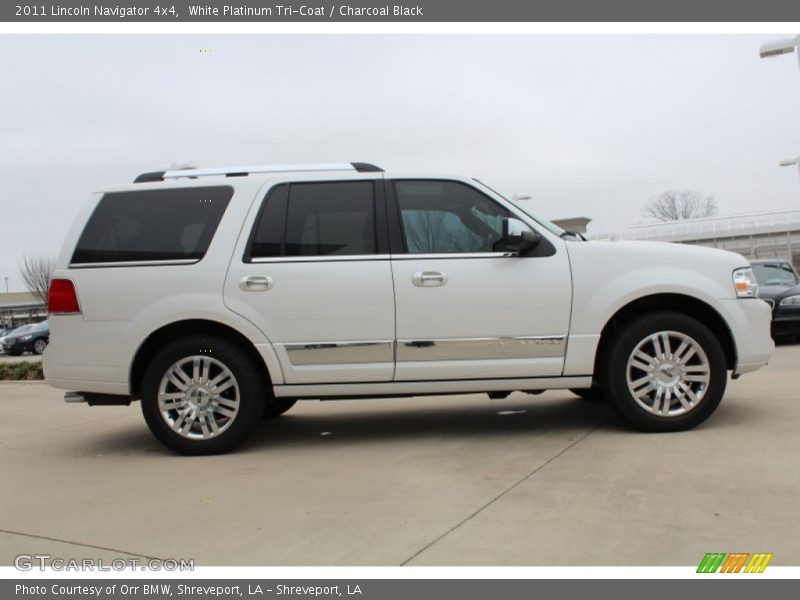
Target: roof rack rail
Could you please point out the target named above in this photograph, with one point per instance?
(244, 171)
(151, 176)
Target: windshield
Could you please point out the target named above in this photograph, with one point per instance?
(551, 227)
(777, 273)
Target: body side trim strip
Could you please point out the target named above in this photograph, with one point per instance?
(500, 348)
(340, 353)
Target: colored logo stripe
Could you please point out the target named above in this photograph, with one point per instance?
(711, 562)
(734, 562)
(758, 563)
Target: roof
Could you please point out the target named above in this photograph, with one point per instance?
(18, 299)
(767, 261)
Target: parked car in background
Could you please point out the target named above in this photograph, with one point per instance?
(779, 286)
(28, 338)
(11, 332)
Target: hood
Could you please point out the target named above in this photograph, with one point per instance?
(672, 252)
(773, 292)
(644, 268)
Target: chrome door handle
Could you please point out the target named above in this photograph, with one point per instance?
(254, 283)
(428, 278)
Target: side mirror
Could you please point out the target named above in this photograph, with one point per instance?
(517, 237)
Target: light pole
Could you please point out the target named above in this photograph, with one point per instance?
(6, 284)
(776, 48)
(790, 162)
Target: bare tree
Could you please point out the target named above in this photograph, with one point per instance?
(36, 273)
(675, 205)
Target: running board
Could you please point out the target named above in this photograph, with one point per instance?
(96, 399)
(428, 388)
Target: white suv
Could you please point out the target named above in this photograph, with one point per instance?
(221, 296)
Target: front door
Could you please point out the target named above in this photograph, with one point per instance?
(465, 311)
(312, 271)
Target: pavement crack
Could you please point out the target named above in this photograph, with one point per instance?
(81, 544)
(501, 494)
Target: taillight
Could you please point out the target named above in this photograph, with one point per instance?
(61, 297)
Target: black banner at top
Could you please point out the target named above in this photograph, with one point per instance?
(402, 11)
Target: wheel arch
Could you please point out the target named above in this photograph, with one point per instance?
(681, 303)
(156, 340)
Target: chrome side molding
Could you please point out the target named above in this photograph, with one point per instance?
(340, 353)
(382, 351)
(481, 348)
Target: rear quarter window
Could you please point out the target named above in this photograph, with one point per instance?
(152, 225)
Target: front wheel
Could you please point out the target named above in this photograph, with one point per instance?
(665, 371)
(203, 395)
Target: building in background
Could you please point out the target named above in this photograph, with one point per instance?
(767, 234)
(574, 224)
(19, 308)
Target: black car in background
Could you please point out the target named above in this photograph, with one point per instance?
(779, 285)
(27, 339)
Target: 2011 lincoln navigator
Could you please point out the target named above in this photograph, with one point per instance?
(219, 297)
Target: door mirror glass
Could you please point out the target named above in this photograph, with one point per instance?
(517, 237)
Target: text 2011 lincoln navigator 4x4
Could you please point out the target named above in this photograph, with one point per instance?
(218, 297)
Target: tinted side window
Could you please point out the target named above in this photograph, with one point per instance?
(174, 224)
(268, 233)
(445, 217)
(319, 219)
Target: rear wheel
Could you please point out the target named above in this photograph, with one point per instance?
(203, 395)
(39, 346)
(593, 393)
(665, 371)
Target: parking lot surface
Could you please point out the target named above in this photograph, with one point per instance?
(458, 480)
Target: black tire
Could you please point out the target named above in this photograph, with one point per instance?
(275, 407)
(593, 393)
(614, 365)
(249, 377)
(15, 353)
(37, 347)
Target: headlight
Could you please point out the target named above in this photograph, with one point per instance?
(790, 301)
(744, 281)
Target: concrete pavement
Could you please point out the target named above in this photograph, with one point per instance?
(458, 480)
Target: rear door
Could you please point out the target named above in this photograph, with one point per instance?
(312, 271)
(464, 310)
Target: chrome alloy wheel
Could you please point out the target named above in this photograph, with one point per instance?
(668, 373)
(198, 397)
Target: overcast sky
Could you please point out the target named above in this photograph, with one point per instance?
(590, 125)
